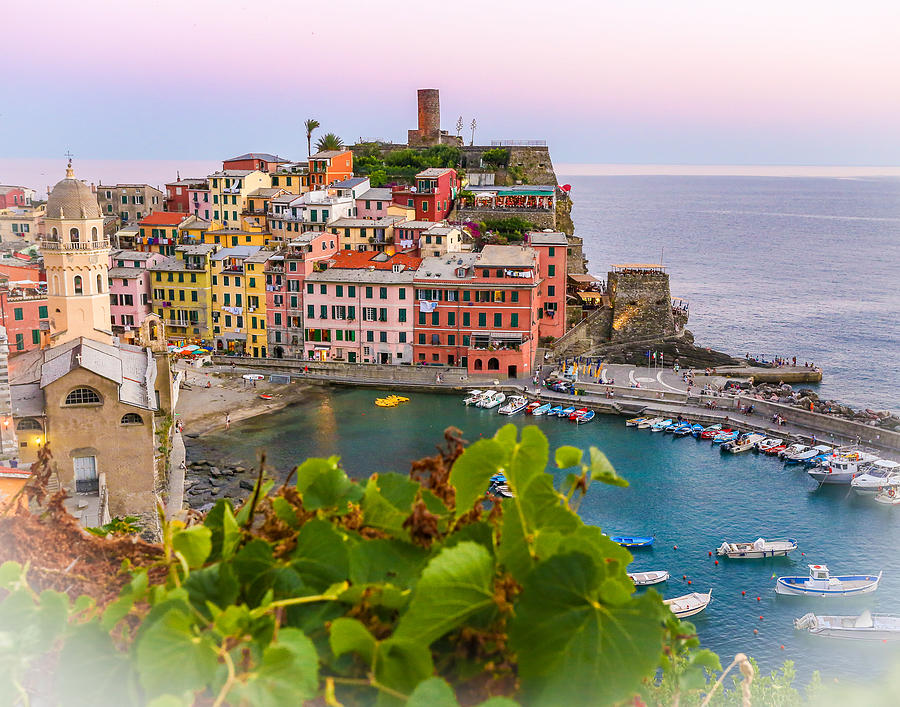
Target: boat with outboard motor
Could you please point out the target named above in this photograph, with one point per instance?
(661, 425)
(711, 431)
(514, 404)
(633, 540)
(889, 495)
(577, 414)
(696, 430)
(634, 421)
(764, 445)
(820, 583)
(791, 450)
(587, 417)
(645, 579)
(649, 422)
(758, 549)
(473, 396)
(554, 411)
(541, 409)
(882, 472)
(683, 430)
(744, 443)
(865, 627)
(489, 402)
(689, 604)
(841, 469)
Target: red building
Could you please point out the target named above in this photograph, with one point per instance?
(479, 311)
(552, 250)
(177, 197)
(23, 307)
(11, 197)
(262, 161)
(436, 188)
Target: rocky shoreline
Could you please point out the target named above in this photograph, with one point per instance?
(205, 483)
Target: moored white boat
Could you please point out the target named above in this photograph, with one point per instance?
(841, 469)
(889, 495)
(759, 548)
(661, 425)
(644, 579)
(791, 450)
(744, 443)
(820, 583)
(767, 444)
(877, 474)
(542, 409)
(489, 402)
(689, 604)
(474, 396)
(514, 404)
(648, 422)
(865, 627)
(634, 421)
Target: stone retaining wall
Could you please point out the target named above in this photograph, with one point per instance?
(349, 371)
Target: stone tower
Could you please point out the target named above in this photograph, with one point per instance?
(76, 258)
(642, 302)
(429, 131)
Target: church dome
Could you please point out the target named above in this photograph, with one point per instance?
(72, 198)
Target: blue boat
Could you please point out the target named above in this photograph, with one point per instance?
(684, 430)
(567, 411)
(553, 412)
(671, 429)
(821, 583)
(587, 417)
(632, 540)
(696, 430)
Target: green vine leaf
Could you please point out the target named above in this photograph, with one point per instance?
(287, 675)
(473, 469)
(567, 457)
(321, 557)
(603, 471)
(456, 585)
(193, 544)
(566, 636)
(349, 635)
(433, 692)
(324, 485)
(401, 664)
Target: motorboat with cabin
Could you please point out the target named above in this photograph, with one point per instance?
(514, 404)
(473, 396)
(821, 583)
(792, 449)
(865, 627)
(881, 472)
(488, 402)
(744, 443)
(758, 549)
(842, 469)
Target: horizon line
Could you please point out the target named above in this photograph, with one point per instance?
(576, 169)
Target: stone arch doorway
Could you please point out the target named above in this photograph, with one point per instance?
(478, 364)
(493, 364)
(278, 352)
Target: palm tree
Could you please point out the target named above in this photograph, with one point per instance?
(329, 141)
(311, 124)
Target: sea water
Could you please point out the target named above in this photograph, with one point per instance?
(788, 266)
(684, 492)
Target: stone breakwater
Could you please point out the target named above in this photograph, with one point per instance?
(205, 483)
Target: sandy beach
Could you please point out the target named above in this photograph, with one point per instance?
(203, 409)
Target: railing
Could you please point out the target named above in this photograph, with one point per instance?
(86, 245)
(518, 143)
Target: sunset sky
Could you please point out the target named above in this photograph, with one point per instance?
(649, 81)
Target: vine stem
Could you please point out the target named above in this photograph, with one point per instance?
(738, 659)
(371, 682)
(226, 688)
(292, 601)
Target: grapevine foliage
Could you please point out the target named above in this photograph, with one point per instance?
(387, 591)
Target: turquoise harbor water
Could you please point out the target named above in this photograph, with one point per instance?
(683, 491)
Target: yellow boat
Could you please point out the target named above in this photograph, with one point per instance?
(390, 401)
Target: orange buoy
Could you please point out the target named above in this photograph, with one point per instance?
(689, 581)
(755, 631)
(684, 576)
(674, 547)
(782, 646)
(758, 598)
(717, 562)
(760, 618)
(744, 593)
(710, 553)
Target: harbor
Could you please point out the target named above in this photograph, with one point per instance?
(683, 492)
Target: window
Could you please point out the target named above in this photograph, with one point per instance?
(451, 318)
(402, 338)
(42, 312)
(369, 314)
(401, 315)
(421, 338)
(338, 290)
(467, 319)
(310, 311)
(78, 287)
(435, 318)
(309, 288)
(514, 320)
(83, 396)
(351, 290)
(382, 337)
(323, 311)
(368, 293)
(132, 418)
(421, 317)
(370, 336)
(382, 292)
(498, 320)
(20, 342)
(35, 336)
(552, 251)
(402, 292)
(28, 424)
(482, 319)
(323, 289)
(382, 314)
(466, 339)
(17, 314)
(513, 296)
(551, 270)
(551, 290)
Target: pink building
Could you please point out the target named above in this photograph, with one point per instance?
(129, 287)
(285, 274)
(361, 309)
(552, 250)
(199, 200)
(374, 203)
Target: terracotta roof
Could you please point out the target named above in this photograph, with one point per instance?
(264, 156)
(163, 218)
(369, 258)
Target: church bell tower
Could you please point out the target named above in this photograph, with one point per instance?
(76, 258)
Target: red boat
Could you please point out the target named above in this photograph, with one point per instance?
(532, 407)
(578, 414)
(709, 434)
(774, 450)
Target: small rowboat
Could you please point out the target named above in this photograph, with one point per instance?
(648, 422)
(774, 450)
(587, 417)
(758, 549)
(661, 425)
(634, 421)
(710, 432)
(866, 626)
(645, 579)
(553, 412)
(577, 414)
(632, 540)
(689, 604)
(265, 396)
(532, 406)
(696, 430)
(252, 376)
(567, 411)
(541, 410)
(821, 584)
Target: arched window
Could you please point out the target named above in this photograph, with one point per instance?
(56, 285)
(28, 423)
(73, 235)
(54, 234)
(83, 396)
(78, 288)
(493, 364)
(132, 418)
(94, 233)
(99, 284)
(478, 364)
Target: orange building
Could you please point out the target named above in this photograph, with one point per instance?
(329, 166)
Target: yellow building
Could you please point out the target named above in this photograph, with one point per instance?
(234, 237)
(229, 190)
(191, 230)
(255, 290)
(239, 300)
(365, 233)
(182, 293)
(254, 218)
(292, 178)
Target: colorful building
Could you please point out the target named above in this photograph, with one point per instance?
(289, 216)
(13, 197)
(328, 167)
(23, 307)
(552, 250)
(130, 202)
(22, 222)
(255, 268)
(361, 308)
(233, 237)
(159, 232)
(262, 161)
(178, 195)
(199, 201)
(182, 293)
(254, 218)
(436, 188)
(374, 203)
(286, 273)
(229, 297)
(130, 289)
(479, 311)
(293, 178)
(229, 190)
(365, 234)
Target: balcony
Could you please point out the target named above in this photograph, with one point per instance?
(102, 244)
